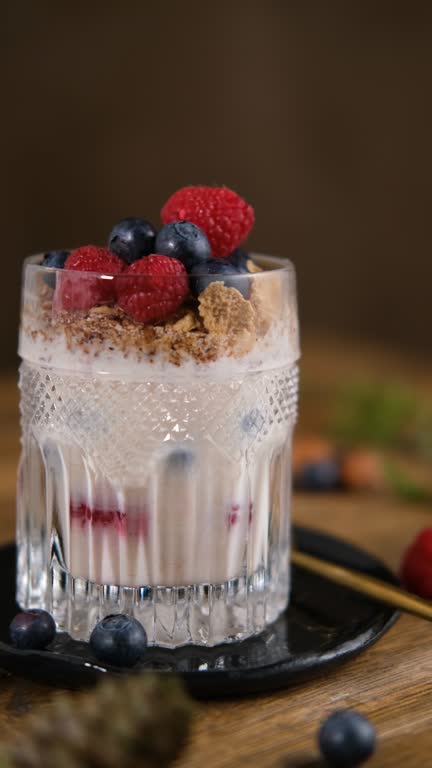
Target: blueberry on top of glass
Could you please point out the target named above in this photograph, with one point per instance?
(132, 238)
(217, 270)
(184, 241)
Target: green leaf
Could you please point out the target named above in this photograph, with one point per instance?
(375, 415)
(404, 486)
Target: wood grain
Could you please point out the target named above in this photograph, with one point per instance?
(391, 682)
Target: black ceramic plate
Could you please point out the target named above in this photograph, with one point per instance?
(325, 624)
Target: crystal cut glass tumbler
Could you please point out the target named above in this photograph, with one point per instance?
(155, 471)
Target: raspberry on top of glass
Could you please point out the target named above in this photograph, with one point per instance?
(185, 292)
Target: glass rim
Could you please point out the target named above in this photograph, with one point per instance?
(276, 266)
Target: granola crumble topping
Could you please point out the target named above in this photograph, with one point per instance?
(202, 333)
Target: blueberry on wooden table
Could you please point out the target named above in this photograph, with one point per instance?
(346, 739)
(318, 475)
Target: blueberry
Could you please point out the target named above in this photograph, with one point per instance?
(253, 422)
(239, 259)
(217, 270)
(32, 630)
(318, 475)
(119, 640)
(132, 238)
(346, 739)
(180, 458)
(54, 259)
(184, 241)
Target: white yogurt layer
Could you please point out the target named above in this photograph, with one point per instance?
(277, 348)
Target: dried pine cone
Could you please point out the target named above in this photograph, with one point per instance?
(140, 721)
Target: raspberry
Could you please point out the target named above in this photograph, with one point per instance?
(92, 258)
(85, 291)
(416, 571)
(221, 213)
(152, 288)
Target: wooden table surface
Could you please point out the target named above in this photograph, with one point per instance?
(391, 682)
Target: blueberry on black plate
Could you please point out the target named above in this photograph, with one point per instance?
(132, 238)
(318, 475)
(119, 640)
(55, 259)
(184, 241)
(346, 739)
(218, 270)
(239, 259)
(32, 630)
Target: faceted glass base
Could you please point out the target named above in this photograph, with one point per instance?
(202, 614)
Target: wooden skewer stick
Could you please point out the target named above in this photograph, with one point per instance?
(366, 585)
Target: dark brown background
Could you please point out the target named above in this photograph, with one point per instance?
(319, 113)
